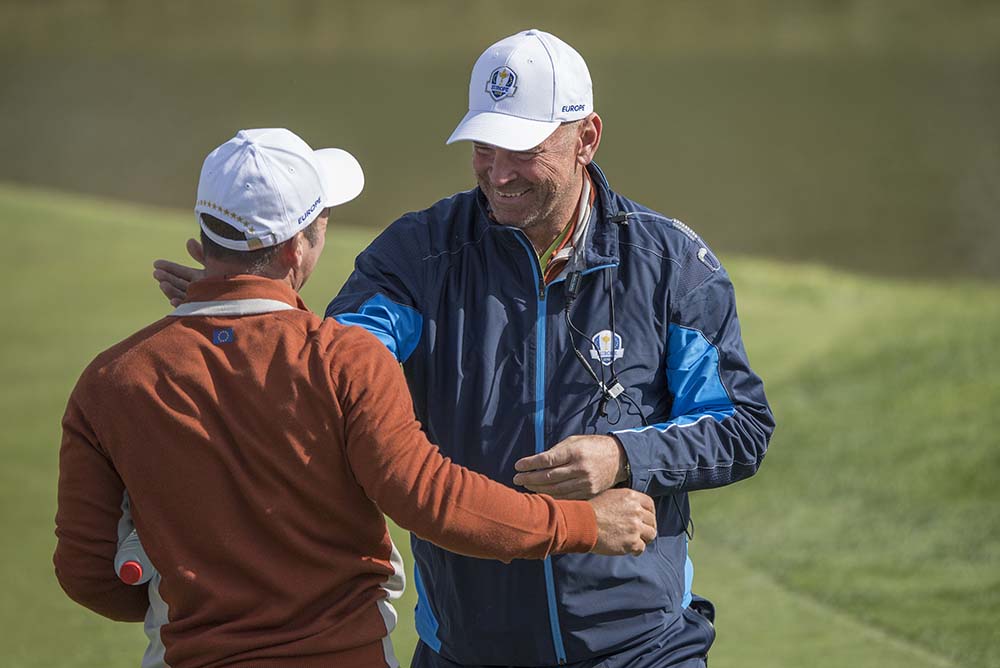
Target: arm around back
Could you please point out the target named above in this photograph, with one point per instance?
(424, 492)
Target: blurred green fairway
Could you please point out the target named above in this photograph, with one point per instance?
(870, 538)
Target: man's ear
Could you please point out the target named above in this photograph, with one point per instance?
(590, 139)
(292, 251)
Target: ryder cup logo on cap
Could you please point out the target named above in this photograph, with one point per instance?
(269, 184)
(501, 83)
(522, 88)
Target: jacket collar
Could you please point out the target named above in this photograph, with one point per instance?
(601, 243)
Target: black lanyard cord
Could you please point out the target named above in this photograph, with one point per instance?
(616, 389)
(614, 332)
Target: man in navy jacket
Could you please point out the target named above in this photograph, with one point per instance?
(589, 342)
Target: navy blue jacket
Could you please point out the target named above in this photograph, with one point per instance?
(489, 358)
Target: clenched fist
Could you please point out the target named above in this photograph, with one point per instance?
(626, 522)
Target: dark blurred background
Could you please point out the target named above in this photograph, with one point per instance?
(860, 133)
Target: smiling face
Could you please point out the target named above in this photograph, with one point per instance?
(537, 190)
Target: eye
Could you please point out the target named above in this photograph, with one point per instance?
(525, 156)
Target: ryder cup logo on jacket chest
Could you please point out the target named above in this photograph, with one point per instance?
(501, 83)
(607, 347)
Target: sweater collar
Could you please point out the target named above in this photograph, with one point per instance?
(242, 294)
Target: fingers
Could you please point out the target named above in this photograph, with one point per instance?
(173, 278)
(646, 521)
(169, 277)
(545, 477)
(545, 460)
(646, 503)
(574, 490)
(648, 530)
(626, 522)
(645, 518)
(647, 515)
(647, 535)
(172, 293)
(179, 274)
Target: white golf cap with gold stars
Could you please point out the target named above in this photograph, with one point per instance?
(269, 184)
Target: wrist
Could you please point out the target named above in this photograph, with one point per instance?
(624, 476)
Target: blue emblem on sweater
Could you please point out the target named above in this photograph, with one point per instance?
(222, 336)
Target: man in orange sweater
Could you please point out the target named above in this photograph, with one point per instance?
(254, 447)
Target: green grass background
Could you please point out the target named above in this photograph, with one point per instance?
(870, 537)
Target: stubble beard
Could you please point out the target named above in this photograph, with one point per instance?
(542, 217)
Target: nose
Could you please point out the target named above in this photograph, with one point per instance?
(503, 170)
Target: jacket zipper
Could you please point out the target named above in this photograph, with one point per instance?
(550, 589)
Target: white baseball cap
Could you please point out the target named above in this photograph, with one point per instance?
(269, 184)
(522, 88)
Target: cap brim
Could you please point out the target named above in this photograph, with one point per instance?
(343, 179)
(503, 130)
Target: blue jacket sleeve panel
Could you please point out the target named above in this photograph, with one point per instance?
(720, 422)
(383, 293)
(397, 326)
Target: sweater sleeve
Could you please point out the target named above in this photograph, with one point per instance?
(90, 498)
(424, 492)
